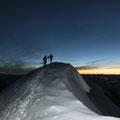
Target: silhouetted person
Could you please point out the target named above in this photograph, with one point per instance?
(51, 58)
(45, 60)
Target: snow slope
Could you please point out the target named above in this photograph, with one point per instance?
(48, 93)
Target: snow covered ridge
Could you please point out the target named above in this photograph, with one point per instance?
(55, 92)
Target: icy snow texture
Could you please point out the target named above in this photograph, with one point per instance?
(44, 94)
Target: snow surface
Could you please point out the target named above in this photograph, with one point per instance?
(46, 94)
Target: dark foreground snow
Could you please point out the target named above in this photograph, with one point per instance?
(55, 92)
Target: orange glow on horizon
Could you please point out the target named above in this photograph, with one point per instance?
(101, 71)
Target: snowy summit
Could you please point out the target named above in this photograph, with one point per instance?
(55, 92)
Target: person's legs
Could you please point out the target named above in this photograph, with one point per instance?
(50, 60)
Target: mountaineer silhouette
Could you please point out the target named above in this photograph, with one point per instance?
(45, 60)
(51, 58)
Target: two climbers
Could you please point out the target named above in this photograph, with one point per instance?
(48, 57)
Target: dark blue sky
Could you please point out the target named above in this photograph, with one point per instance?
(78, 32)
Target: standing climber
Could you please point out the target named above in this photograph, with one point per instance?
(45, 60)
(51, 58)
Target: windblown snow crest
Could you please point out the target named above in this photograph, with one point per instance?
(55, 92)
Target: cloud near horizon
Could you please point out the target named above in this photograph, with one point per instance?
(98, 66)
(90, 65)
(16, 66)
(87, 67)
(94, 62)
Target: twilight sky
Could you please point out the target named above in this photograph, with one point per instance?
(85, 33)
